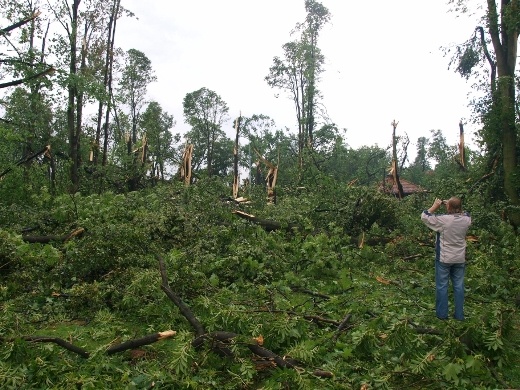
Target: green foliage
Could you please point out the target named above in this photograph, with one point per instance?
(355, 254)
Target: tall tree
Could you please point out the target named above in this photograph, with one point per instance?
(298, 73)
(156, 124)
(136, 76)
(133, 86)
(107, 71)
(205, 112)
(501, 29)
(28, 107)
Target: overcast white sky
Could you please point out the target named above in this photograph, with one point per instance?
(383, 61)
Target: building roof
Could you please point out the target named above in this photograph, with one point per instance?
(409, 188)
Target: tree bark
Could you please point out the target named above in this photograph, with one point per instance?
(49, 339)
(148, 339)
(504, 38)
(72, 94)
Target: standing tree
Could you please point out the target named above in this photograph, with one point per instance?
(133, 86)
(500, 133)
(106, 45)
(156, 124)
(206, 112)
(28, 108)
(298, 73)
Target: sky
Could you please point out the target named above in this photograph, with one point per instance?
(382, 62)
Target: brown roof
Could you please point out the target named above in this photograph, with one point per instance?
(408, 187)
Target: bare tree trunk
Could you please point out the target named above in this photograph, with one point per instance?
(505, 43)
(106, 70)
(109, 83)
(235, 159)
(72, 92)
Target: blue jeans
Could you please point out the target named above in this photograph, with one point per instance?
(443, 274)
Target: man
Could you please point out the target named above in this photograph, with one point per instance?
(450, 253)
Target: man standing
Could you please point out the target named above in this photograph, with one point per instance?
(450, 253)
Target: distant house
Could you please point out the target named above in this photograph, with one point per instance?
(409, 188)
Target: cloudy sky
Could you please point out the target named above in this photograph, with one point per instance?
(383, 61)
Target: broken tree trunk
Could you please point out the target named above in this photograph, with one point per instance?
(185, 171)
(395, 174)
(272, 175)
(462, 158)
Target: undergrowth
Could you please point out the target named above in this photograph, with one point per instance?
(365, 262)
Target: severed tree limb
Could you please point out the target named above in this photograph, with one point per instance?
(25, 160)
(341, 326)
(267, 225)
(184, 309)
(313, 318)
(219, 341)
(411, 257)
(19, 23)
(46, 239)
(148, 339)
(309, 292)
(28, 78)
(323, 374)
(49, 339)
(420, 330)
(267, 354)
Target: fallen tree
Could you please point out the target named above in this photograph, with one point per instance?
(220, 341)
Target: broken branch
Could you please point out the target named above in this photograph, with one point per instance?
(149, 339)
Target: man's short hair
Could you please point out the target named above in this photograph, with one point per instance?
(455, 204)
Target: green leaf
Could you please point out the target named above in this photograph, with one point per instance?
(451, 371)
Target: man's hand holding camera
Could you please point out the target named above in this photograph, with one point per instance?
(436, 204)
